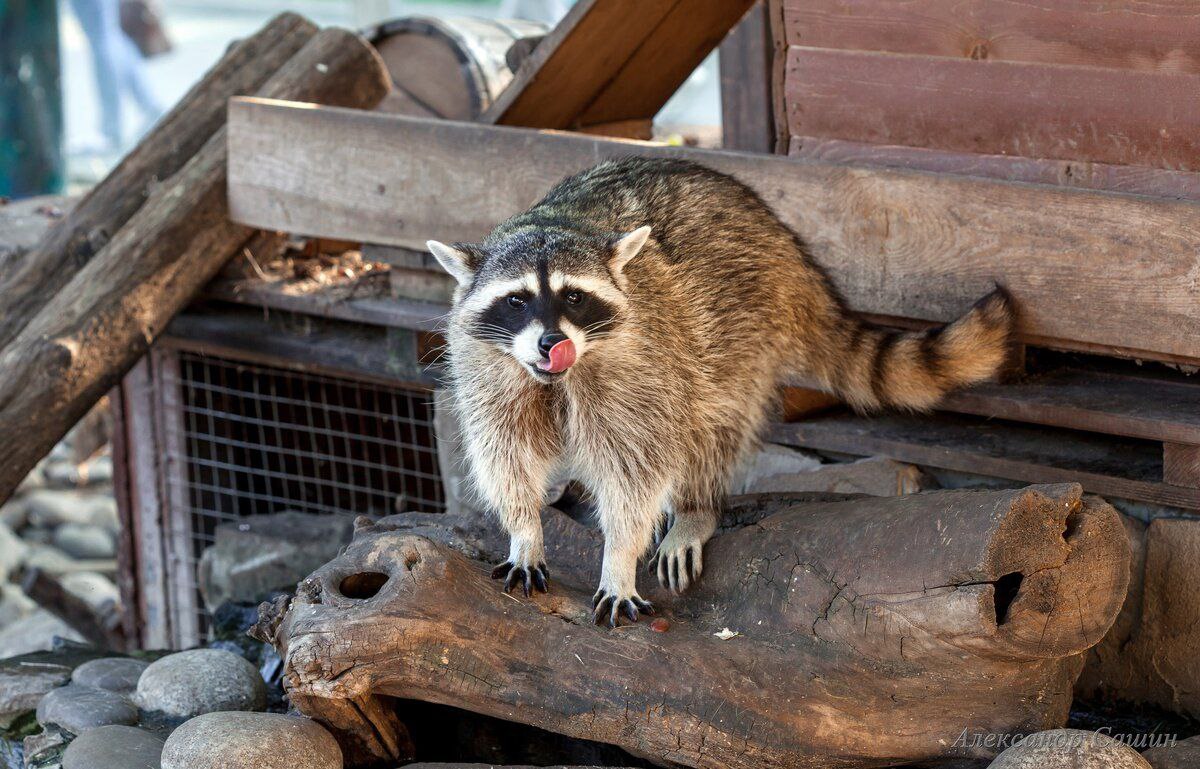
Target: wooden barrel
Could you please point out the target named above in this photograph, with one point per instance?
(450, 68)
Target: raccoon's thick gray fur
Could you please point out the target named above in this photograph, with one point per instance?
(681, 300)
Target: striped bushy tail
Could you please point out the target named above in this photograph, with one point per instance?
(875, 368)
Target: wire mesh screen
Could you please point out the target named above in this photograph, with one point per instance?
(257, 439)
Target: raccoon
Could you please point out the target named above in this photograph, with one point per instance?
(631, 330)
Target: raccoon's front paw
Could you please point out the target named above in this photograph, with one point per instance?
(528, 576)
(608, 608)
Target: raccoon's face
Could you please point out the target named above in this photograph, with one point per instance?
(545, 297)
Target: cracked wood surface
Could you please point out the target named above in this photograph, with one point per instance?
(870, 631)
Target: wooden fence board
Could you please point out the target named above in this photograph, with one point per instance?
(1001, 108)
(1151, 35)
(1093, 271)
(1135, 180)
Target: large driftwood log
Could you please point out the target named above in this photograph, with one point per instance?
(46, 268)
(869, 631)
(94, 329)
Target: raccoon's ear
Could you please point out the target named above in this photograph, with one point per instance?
(626, 247)
(457, 261)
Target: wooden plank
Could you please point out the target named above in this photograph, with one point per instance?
(611, 60)
(1111, 466)
(1132, 406)
(1181, 464)
(746, 60)
(1113, 404)
(183, 597)
(1000, 108)
(319, 346)
(1135, 180)
(127, 567)
(391, 313)
(146, 505)
(1151, 35)
(1090, 271)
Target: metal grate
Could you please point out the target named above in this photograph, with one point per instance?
(250, 440)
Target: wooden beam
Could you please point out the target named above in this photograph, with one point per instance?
(897, 244)
(612, 60)
(1103, 465)
(1181, 464)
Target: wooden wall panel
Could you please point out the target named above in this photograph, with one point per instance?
(1146, 35)
(1135, 180)
(1000, 108)
(1091, 271)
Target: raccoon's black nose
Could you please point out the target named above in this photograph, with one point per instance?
(548, 340)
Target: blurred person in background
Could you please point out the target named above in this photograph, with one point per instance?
(121, 34)
(31, 115)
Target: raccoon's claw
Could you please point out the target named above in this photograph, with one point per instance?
(677, 569)
(607, 608)
(528, 577)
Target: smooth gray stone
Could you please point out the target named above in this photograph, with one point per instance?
(198, 681)
(1069, 749)
(251, 741)
(81, 708)
(114, 747)
(263, 553)
(116, 674)
(1184, 754)
(85, 540)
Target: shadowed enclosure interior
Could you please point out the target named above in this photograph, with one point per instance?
(258, 439)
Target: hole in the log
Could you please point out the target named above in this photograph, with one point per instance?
(411, 559)
(1072, 525)
(1006, 589)
(364, 585)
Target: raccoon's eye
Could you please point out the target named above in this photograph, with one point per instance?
(573, 297)
(516, 302)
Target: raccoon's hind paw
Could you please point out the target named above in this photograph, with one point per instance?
(528, 577)
(608, 608)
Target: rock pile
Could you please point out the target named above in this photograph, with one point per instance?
(195, 709)
(63, 521)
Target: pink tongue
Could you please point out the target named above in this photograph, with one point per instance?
(562, 357)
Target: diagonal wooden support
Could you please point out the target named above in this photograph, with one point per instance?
(613, 60)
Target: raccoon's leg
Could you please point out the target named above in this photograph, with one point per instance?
(698, 497)
(513, 479)
(627, 517)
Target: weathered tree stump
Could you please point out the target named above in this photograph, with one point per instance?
(869, 631)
